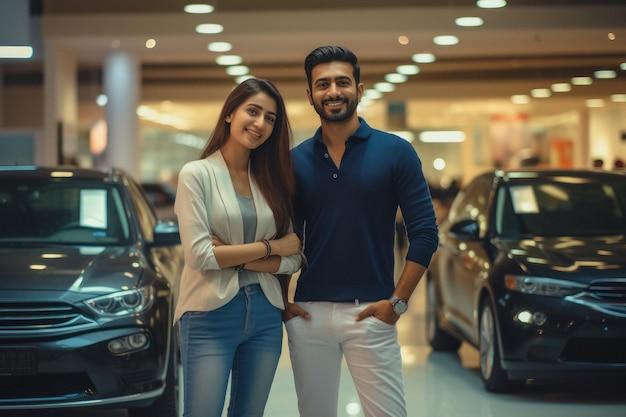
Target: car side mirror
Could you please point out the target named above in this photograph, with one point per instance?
(166, 233)
(467, 229)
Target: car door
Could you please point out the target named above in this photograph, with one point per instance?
(465, 258)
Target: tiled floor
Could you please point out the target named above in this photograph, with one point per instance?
(441, 385)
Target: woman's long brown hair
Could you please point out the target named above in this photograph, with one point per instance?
(270, 164)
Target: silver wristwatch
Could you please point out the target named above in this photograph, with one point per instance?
(399, 305)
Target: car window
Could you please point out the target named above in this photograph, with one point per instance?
(145, 213)
(472, 203)
(62, 212)
(562, 208)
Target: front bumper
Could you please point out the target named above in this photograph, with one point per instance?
(79, 370)
(575, 338)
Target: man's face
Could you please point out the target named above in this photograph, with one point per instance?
(334, 93)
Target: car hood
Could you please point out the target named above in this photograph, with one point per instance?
(588, 258)
(94, 270)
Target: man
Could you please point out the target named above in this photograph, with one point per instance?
(350, 181)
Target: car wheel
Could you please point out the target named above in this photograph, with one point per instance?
(494, 377)
(169, 404)
(439, 339)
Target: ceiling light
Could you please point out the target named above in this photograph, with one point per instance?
(442, 136)
(199, 8)
(605, 74)
(490, 4)
(423, 58)
(384, 87)
(520, 99)
(102, 100)
(372, 94)
(403, 40)
(623, 66)
(582, 80)
(561, 87)
(219, 47)
(209, 28)
(595, 102)
(396, 78)
(16, 51)
(445, 40)
(469, 21)
(151, 43)
(618, 98)
(407, 69)
(540, 92)
(229, 60)
(237, 70)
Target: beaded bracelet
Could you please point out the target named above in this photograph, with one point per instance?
(269, 249)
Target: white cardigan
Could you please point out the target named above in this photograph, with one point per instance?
(206, 205)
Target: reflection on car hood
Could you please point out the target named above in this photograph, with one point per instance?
(89, 269)
(588, 257)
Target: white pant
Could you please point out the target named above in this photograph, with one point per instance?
(372, 354)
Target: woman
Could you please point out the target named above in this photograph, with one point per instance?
(235, 216)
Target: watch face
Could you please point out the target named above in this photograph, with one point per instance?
(400, 307)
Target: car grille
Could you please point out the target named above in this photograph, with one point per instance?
(26, 317)
(77, 385)
(605, 295)
(612, 291)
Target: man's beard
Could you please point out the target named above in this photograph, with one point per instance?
(339, 116)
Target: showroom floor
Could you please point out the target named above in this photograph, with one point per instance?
(439, 385)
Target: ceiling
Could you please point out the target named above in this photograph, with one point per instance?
(528, 44)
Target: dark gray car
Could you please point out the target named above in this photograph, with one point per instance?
(88, 278)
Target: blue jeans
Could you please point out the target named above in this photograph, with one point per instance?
(245, 337)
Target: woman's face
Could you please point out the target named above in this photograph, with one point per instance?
(252, 123)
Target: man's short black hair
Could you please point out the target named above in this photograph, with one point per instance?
(325, 54)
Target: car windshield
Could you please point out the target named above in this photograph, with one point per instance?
(80, 213)
(562, 207)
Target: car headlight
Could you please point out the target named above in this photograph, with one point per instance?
(122, 303)
(543, 286)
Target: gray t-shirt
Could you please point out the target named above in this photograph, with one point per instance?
(248, 212)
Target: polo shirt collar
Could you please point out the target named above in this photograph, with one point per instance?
(362, 133)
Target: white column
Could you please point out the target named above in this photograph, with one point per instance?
(122, 88)
(60, 139)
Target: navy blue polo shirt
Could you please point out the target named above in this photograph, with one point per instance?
(346, 215)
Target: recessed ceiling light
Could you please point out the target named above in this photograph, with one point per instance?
(209, 28)
(237, 70)
(396, 78)
(520, 99)
(372, 94)
(490, 4)
(423, 58)
(445, 40)
(582, 80)
(561, 87)
(403, 40)
(219, 47)
(408, 69)
(384, 87)
(469, 21)
(623, 66)
(198, 8)
(605, 74)
(540, 92)
(229, 60)
(618, 98)
(151, 43)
